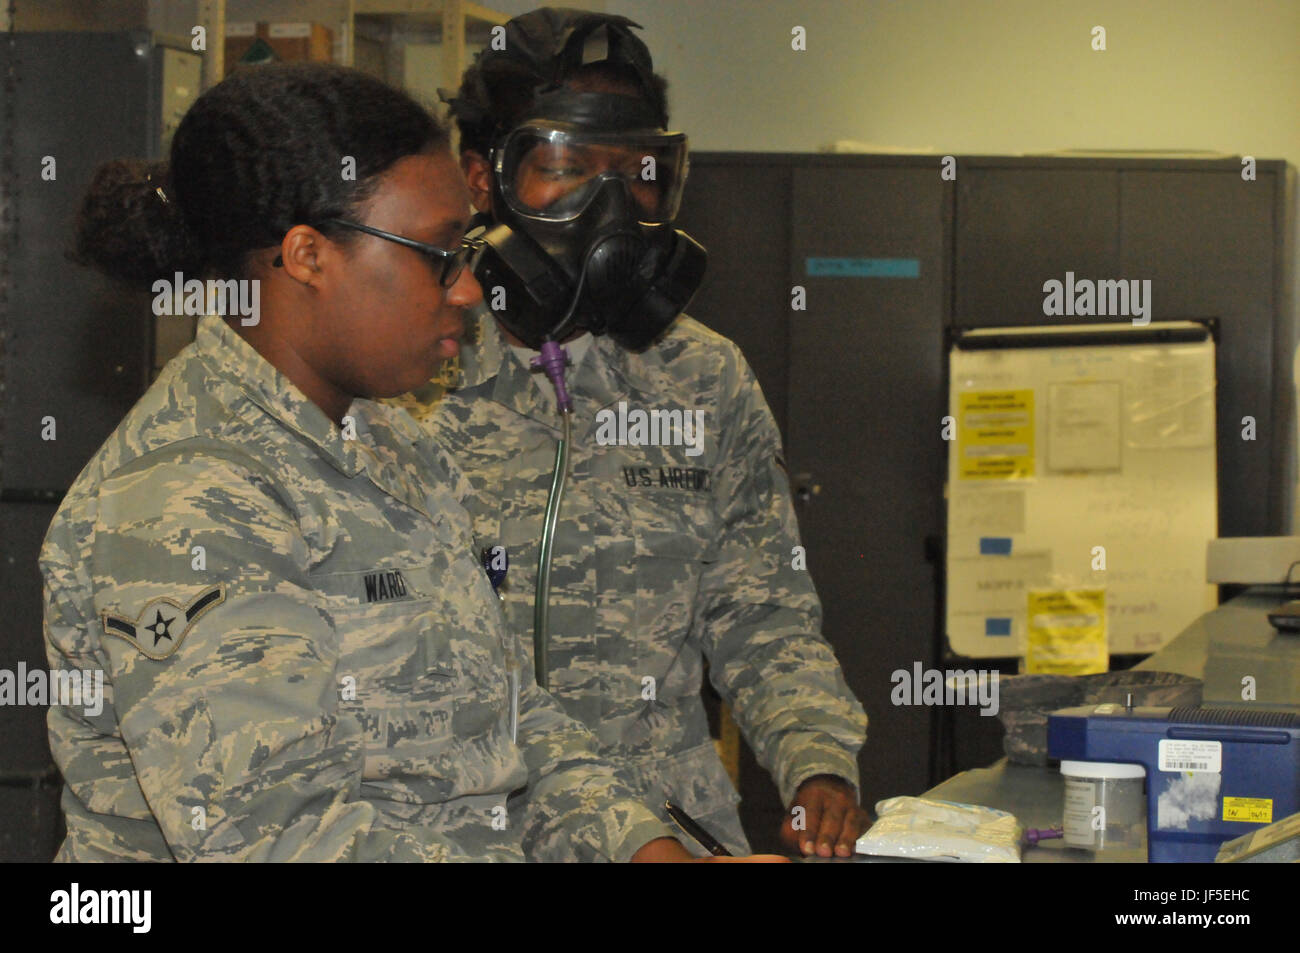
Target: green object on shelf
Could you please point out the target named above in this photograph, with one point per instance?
(259, 52)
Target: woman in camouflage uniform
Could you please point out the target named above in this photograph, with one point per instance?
(302, 658)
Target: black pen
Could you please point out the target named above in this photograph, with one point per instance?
(700, 835)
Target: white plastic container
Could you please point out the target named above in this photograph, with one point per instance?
(1104, 807)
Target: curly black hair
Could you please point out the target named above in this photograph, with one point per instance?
(268, 148)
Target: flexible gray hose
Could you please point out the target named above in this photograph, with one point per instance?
(541, 600)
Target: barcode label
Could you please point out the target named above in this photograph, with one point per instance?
(1191, 756)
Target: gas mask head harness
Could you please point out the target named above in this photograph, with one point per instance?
(585, 192)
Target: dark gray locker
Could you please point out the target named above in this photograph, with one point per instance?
(749, 254)
(76, 347)
(865, 402)
(31, 825)
(1205, 239)
(1018, 227)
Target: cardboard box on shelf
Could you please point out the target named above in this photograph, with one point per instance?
(291, 42)
(300, 42)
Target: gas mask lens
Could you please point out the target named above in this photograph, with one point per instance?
(552, 173)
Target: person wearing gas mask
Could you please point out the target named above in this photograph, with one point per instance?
(631, 503)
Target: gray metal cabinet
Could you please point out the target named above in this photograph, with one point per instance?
(743, 207)
(75, 348)
(865, 398)
(1206, 241)
(1017, 227)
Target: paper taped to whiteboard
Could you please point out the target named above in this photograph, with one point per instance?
(1066, 632)
(1083, 426)
(1173, 399)
(995, 434)
(987, 512)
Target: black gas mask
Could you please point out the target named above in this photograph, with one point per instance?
(585, 193)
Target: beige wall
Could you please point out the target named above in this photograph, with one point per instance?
(982, 76)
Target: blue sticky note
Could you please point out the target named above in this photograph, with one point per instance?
(997, 626)
(995, 545)
(863, 267)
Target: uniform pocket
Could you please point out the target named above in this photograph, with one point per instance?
(422, 676)
(697, 782)
(671, 546)
(669, 564)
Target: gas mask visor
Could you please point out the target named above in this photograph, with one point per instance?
(551, 171)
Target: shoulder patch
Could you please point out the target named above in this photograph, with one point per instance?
(163, 623)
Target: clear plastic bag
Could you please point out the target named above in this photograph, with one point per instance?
(942, 830)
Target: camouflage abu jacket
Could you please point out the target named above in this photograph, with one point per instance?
(302, 659)
(664, 555)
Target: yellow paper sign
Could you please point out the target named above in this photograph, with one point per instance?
(995, 435)
(1066, 633)
(1256, 810)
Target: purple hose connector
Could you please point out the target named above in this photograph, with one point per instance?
(552, 360)
(1033, 835)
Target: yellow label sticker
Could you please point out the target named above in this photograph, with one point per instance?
(1067, 632)
(995, 435)
(1254, 810)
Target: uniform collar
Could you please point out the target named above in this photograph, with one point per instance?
(235, 360)
(609, 374)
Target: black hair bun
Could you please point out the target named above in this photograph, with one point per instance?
(129, 228)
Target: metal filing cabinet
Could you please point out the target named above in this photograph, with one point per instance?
(76, 346)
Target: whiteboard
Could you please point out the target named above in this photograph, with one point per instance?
(1082, 490)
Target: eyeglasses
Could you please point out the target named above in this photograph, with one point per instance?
(448, 264)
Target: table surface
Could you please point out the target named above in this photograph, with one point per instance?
(1212, 649)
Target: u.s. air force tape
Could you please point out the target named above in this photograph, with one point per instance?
(163, 623)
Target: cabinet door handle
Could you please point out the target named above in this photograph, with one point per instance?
(805, 488)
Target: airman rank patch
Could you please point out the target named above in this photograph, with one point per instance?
(163, 624)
